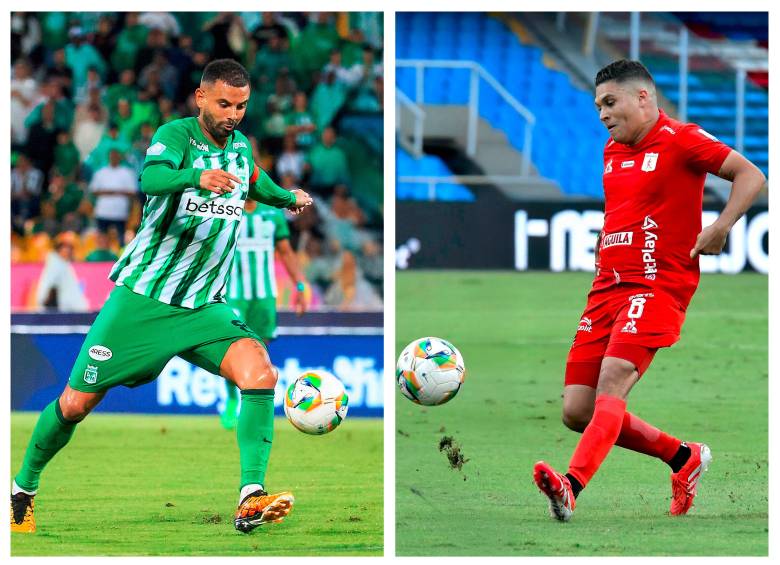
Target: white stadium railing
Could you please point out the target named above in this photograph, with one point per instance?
(402, 103)
(477, 72)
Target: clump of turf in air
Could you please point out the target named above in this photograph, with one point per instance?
(452, 450)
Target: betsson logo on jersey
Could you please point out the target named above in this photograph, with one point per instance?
(210, 208)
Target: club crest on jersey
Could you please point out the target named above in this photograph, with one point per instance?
(650, 161)
(91, 374)
(608, 167)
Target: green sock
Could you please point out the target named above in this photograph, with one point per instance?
(51, 433)
(232, 391)
(255, 433)
(229, 415)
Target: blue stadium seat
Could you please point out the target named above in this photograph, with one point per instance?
(569, 139)
(427, 166)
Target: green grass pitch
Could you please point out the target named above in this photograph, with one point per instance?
(168, 485)
(514, 331)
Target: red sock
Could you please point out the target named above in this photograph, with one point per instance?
(598, 438)
(638, 435)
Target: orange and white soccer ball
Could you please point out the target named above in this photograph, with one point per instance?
(430, 371)
(316, 402)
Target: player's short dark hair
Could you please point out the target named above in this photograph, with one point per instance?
(228, 71)
(624, 70)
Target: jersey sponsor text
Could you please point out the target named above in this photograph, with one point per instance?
(649, 249)
(619, 238)
(210, 208)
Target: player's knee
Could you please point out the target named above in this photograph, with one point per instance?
(576, 418)
(616, 377)
(248, 366)
(74, 408)
(256, 377)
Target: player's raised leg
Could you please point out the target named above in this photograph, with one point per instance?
(635, 434)
(616, 379)
(52, 432)
(687, 461)
(247, 364)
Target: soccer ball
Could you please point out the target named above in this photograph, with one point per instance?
(430, 371)
(315, 402)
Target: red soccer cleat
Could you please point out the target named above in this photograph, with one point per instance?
(557, 488)
(685, 481)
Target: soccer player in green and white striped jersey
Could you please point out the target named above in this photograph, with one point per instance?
(251, 290)
(169, 298)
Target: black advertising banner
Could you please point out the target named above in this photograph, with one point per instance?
(554, 236)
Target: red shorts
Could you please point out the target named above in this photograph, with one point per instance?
(629, 322)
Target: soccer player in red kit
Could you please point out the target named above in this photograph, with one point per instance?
(647, 270)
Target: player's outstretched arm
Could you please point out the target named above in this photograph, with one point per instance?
(161, 178)
(747, 182)
(263, 189)
(290, 262)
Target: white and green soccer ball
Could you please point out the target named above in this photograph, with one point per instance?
(430, 371)
(316, 402)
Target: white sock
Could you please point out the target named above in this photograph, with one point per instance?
(247, 490)
(15, 489)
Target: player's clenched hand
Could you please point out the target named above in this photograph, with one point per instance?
(219, 181)
(710, 241)
(302, 199)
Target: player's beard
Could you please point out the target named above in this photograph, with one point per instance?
(217, 131)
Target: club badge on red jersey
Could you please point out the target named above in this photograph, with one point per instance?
(650, 161)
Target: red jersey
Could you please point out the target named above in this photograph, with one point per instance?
(652, 207)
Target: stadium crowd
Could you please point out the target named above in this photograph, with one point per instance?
(88, 91)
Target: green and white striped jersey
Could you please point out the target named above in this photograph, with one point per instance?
(253, 276)
(184, 247)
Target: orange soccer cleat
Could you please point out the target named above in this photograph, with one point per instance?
(557, 488)
(22, 517)
(260, 508)
(685, 481)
